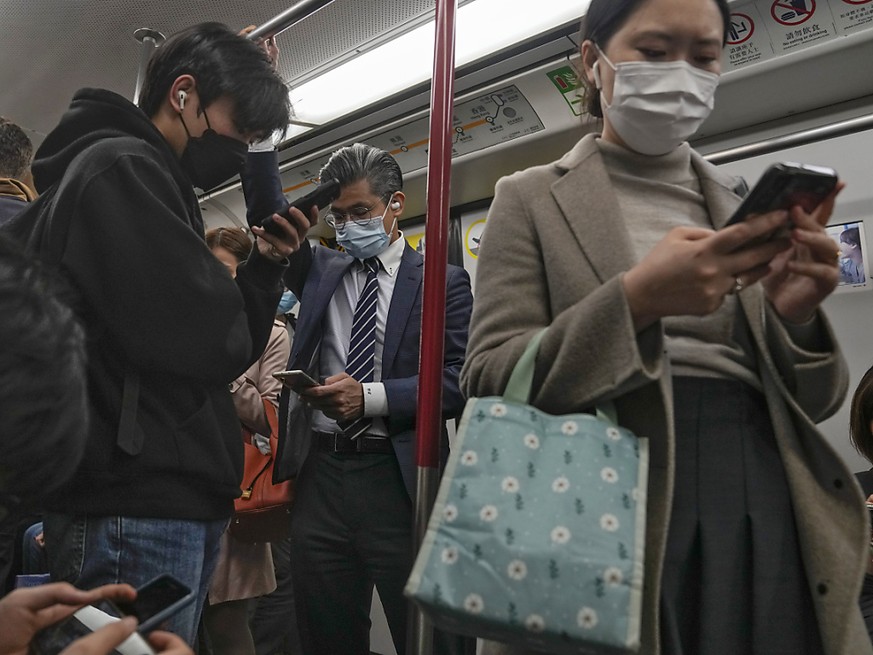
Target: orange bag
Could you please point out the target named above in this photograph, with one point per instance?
(262, 512)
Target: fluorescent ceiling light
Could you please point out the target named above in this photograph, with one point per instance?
(483, 27)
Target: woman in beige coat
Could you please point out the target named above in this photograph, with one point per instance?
(244, 570)
(709, 340)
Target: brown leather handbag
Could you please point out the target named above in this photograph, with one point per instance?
(262, 512)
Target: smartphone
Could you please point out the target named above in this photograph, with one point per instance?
(55, 638)
(296, 379)
(157, 600)
(324, 194)
(785, 185)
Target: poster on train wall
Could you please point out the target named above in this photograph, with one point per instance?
(748, 41)
(472, 227)
(795, 24)
(851, 15)
(851, 244)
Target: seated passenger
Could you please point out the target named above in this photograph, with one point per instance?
(43, 424)
(245, 570)
(709, 343)
(168, 328)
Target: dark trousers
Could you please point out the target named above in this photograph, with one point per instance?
(351, 528)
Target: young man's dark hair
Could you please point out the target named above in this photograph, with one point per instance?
(223, 64)
(16, 150)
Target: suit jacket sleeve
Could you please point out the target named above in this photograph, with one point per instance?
(402, 393)
(591, 352)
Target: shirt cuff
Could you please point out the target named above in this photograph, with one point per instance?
(375, 399)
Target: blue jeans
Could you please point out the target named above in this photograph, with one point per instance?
(92, 551)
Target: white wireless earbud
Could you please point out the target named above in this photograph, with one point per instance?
(395, 205)
(182, 97)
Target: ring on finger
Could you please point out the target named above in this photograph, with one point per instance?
(275, 252)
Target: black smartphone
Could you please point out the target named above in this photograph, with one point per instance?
(296, 379)
(324, 194)
(157, 600)
(56, 638)
(785, 185)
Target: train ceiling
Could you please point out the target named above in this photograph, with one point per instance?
(51, 48)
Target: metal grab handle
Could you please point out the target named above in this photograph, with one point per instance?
(149, 40)
(287, 18)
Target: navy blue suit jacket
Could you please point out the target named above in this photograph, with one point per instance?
(314, 275)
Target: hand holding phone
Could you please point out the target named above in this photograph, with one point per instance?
(296, 380)
(324, 194)
(156, 601)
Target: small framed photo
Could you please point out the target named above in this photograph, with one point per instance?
(852, 244)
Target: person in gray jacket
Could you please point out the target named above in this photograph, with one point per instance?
(708, 339)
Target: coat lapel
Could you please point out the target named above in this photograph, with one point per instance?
(718, 190)
(586, 198)
(406, 293)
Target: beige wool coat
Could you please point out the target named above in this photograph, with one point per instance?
(552, 254)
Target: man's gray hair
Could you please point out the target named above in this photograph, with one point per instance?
(362, 162)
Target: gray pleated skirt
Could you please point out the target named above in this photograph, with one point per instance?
(733, 580)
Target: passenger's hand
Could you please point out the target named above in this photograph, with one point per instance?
(341, 397)
(294, 232)
(104, 640)
(691, 270)
(805, 274)
(166, 643)
(24, 612)
(268, 45)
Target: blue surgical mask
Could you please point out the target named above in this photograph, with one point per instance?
(287, 302)
(364, 241)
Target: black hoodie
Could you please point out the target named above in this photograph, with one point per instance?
(168, 328)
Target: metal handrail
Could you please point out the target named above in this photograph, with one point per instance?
(287, 18)
(801, 138)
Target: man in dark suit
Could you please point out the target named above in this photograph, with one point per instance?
(351, 440)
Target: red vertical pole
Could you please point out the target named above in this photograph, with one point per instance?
(433, 316)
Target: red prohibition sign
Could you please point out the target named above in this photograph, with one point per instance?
(791, 7)
(748, 23)
(857, 2)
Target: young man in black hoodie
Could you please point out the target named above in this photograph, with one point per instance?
(168, 328)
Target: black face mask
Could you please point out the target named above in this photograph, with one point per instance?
(212, 158)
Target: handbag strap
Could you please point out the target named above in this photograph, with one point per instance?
(521, 380)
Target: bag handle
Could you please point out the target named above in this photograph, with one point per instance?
(521, 380)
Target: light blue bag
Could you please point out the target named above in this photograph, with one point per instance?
(538, 531)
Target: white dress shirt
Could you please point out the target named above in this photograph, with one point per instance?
(338, 331)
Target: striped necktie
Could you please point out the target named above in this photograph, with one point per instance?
(362, 343)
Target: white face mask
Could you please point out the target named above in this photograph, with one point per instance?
(656, 105)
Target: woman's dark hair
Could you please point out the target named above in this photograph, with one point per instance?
(43, 387)
(860, 416)
(232, 239)
(223, 64)
(852, 236)
(606, 17)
